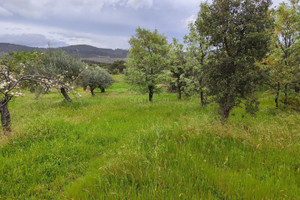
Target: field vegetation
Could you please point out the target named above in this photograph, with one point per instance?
(229, 130)
(116, 145)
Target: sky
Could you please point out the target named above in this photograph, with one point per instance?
(100, 23)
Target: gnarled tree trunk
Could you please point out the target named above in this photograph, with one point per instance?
(65, 94)
(5, 116)
(102, 90)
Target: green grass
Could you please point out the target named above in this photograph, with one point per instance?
(118, 146)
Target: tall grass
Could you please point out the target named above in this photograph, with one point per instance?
(118, 146)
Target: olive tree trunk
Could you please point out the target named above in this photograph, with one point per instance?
(225, 115)
(92, 92)
(201, 83)
(285, 94)
(5, 116)
(226, 106)
(65, 94)
(277, 94)
(179, 95)
(102, 90)
(202, 98)
(150, 93)
(179, 91)
(297, 89)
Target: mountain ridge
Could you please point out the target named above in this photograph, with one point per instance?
(85, 52)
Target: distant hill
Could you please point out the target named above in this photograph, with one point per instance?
(85, 52)
(7, 48)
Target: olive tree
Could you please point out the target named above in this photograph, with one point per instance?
(197, 50)
(239, 37)
(147, 59)
(63, 67)
(176, 67)
(282, 62)
(117, 67)
(12, 76)
(31, 60)
(96, 77)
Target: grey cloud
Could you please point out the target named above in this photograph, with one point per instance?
(100, 22)
(5, 12)
(34, 40)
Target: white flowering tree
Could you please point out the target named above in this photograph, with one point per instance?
(11, 79)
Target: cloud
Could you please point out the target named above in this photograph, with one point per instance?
(102, 23)
(5, 12)
(26, 34)
(42, 9)
(45, 9)
(190, 19)
(140, 3)
(35, 40)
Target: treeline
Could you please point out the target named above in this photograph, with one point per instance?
(233, 49)
(117, 67)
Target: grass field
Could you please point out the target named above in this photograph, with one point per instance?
(118, 146)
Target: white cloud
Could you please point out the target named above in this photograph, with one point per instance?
(184, 3)
(140, 3)
(190, 19)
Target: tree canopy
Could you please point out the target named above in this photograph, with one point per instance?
(96, 77)
(238, 35)
(60, 66)
(177, 66)
(147, 59)
(282, 62)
